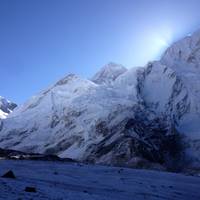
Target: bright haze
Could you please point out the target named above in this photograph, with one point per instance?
(43, 40)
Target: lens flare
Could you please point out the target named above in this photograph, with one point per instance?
(162, 42)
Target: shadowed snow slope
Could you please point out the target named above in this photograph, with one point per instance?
(147, 116)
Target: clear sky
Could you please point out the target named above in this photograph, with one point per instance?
(43, 40)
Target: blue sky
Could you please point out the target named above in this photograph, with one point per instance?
(43, 40)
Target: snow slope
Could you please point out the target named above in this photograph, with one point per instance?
(184, 58)
(57, 180)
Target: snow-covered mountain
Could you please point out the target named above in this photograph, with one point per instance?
(108, 74)
(132, 117)
(6, 107)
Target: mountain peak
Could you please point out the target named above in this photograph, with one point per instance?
(108, 73)
(6, 107)
(184, 54)
(67, 79)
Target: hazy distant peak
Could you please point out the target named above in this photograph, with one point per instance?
(108, 73)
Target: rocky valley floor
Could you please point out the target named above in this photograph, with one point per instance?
(72, 181)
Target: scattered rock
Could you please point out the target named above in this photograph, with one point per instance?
(79, 164)
(120, 170)
(30, 189)
(9, 174)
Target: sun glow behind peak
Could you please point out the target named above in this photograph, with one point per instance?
(151, 45)
(160, 40)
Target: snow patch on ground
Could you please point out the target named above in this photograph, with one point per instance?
(72, 181)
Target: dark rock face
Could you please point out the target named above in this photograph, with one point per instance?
(149, 141)
(7, 106)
